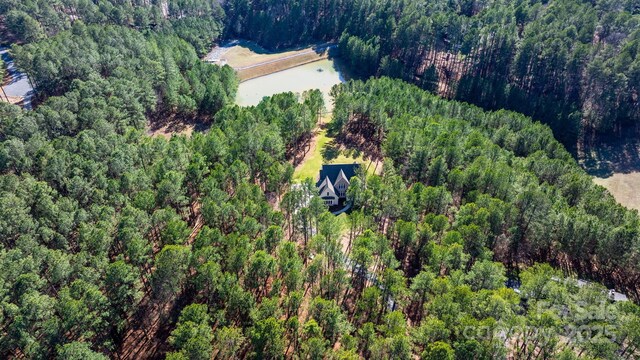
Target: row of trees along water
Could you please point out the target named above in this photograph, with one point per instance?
(570, 63)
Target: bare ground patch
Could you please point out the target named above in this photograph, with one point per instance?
(615, 164)
(251, 61)
(280, 64)
(168, 125)
(625, 188)
(14, 100)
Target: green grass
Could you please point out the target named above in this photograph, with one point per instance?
(312, 165)
(323, 154)
(327, 152)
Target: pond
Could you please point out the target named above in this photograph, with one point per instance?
(322, 75)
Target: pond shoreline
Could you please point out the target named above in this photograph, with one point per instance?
(322, 74)
(251, 61)
(279, 66)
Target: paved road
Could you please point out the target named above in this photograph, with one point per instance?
(18, 85)
(320, 48)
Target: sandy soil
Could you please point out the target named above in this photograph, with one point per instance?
(251, 61)
(279, 65)
(15, 100)
(625, 188)
(168, 131)
(166, 126)
(615, 164)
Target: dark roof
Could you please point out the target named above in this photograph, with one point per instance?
(332, 171)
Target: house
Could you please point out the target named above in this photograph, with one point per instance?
(334, 181)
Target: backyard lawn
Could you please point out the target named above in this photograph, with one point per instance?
(324, 152)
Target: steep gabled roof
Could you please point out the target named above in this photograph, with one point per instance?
(326, 185)
(341, 175)
(333, 170)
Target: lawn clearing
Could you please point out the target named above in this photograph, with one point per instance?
(324, 151)
(313, 162)
(625, 188)
(615, 164)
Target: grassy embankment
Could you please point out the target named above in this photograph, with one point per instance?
(280, 64)
(251, 61)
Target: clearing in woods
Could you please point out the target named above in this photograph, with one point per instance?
(615, 164)
(625, 188)
(16, 87)
(324, 149)
(251, 60)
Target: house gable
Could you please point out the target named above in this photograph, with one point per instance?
(334, 181)
(333, 170)
(341, 184)
(326, 189)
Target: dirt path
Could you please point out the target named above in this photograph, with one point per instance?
(198, 221)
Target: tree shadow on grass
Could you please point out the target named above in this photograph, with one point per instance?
(609, 156)
(330, 151)
(333, 150)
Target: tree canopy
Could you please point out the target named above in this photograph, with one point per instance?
(573, 64)
(467, 245)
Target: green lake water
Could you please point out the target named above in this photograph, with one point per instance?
(321, 75)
